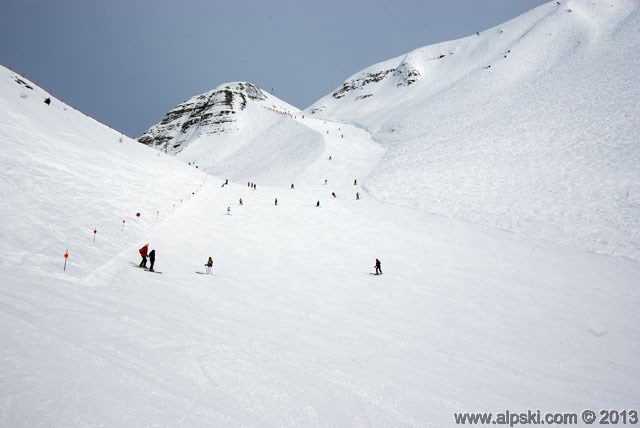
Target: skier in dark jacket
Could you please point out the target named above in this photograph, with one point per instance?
(378, 267)
(152, 259)
(143, 252)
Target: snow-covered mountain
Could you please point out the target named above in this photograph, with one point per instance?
(293, 329)
(530, 126)
(239, 131)
(215, 112)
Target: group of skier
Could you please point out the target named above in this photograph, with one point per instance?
(144, 251)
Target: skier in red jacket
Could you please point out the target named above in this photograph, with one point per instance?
(143, 252)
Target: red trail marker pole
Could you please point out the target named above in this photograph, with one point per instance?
(66, 256)
(95, 230)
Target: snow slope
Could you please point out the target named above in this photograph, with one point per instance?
(66, 175)
(292, 329)
(530, 126)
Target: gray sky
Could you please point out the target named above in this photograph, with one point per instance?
(128, 62)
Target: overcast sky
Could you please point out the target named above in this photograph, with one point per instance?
(128, 62)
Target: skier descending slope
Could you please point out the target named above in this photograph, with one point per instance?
(378, 267)
(152, 259)
(143, 252)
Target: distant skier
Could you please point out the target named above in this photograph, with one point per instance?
(240, 201)
(318, 204)
(355, 182)
(378, 267)
(209, 265)
(143, 252)
(333, 194)
(152, 259)
(292, 185)
(47, 101)
(226, 181)
(228, 210)
(329, 155)
(276, 202)
(325, 181)
(357, 195)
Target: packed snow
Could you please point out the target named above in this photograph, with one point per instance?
(489, 300)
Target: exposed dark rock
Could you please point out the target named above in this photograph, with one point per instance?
(209, 113)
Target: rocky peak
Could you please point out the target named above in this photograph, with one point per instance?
(213, 112)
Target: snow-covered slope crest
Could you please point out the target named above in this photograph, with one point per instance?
(215, 112)
(65, 175)
(530, 126)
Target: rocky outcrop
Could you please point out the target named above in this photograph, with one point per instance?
(213, 112)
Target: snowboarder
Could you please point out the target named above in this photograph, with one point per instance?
(143, 252)
(378, 267)
(209, 265)
(357, 195)
(240, 201)
(152, 259)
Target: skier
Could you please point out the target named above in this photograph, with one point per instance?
(357, 195)
(318, 204)
(355, 182)
(240, 201)
(226, 181)
(143, 252)
(228, 210)
(333, 194)
(325, 181)
(209, 265)
(152, 259)
(276, 202)
(329, 155)
(292, 185)
(378, 267)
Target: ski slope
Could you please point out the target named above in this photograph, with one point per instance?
(293, 329)
(531, 126)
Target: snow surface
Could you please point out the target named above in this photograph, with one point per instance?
(544, 142)
(292, 329)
